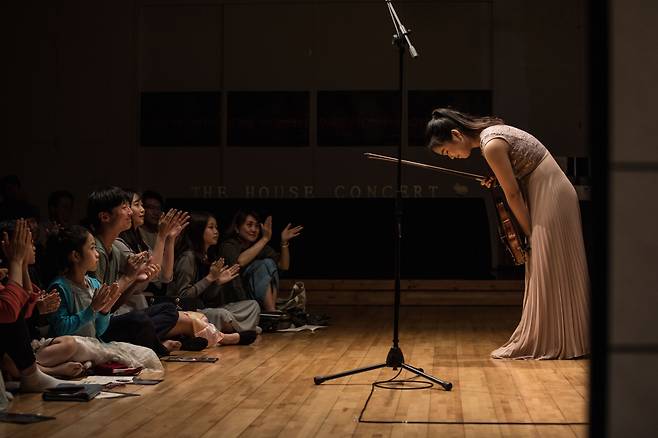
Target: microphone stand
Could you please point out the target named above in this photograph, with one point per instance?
(395, 358)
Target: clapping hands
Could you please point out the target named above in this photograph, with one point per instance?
(173, 223)
(48, 302)
(18, 248)
(221, 274)
(140, 268)
(105, 297)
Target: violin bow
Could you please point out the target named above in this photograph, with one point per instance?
(479, 178)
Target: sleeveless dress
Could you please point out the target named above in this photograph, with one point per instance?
(555, 319)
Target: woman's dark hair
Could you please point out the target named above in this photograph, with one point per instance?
(192, 238)
(9, 227)
(444, 120)
(132, 237)
(239, 219)
(150, 194)
(59, 247)
(6, 226)
(104, 200)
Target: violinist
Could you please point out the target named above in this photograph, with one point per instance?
(555, 319)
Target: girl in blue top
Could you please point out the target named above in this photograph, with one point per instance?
(85, 303)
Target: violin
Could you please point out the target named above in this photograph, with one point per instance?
(509, 230)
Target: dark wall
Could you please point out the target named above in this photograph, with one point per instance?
(256, 99)
(355, 238)
(77, 70)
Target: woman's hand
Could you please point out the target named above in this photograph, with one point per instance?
(228, 273)
(172, 223)
(215, 270)
(113, 295)
(288, 233)
(101, 298)
(135, 264)
(165, 223)
(48, 302)
(488, 182)
(148, 272)
(221, 274)
(179, 221)
(17, 249)
(266, 228)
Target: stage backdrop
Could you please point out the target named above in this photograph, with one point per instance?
(278, 100)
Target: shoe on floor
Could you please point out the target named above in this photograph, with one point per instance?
(247, 337)
(193, 344)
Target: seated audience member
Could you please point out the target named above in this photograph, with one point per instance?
(247, 245)
(69, 356)
(170, 226)
(22, 210)
(60, 208)
(85, 303)
(16, 303)
(65, 356)
(14, 203)
(109, 214)
(130, 241)
(48, 302)
(197, 276)
(153, 208)
(60, 213)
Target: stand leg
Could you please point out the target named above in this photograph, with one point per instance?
(418, 371)
(395, 360)
(320, 379)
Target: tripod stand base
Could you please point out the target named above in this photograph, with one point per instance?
(394, 360)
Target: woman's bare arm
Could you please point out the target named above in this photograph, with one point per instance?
(496, 153)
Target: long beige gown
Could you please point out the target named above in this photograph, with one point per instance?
(555, 319)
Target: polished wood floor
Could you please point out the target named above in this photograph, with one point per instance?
(267, 389)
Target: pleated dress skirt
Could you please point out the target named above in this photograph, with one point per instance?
(555, 319)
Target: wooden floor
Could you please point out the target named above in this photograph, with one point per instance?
(267, 389)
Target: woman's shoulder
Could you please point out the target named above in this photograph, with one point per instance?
(92, 282)
(493, 128)
(60, 283)
(508, 133)
(186, 264)
(60, 279)
(186, 258)
(187, 254)
(232, 242)
(120, 244)
(491, 132)
(501, 130)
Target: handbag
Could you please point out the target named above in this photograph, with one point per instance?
(296, 299)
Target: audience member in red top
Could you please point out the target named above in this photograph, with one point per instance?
(16, 304)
